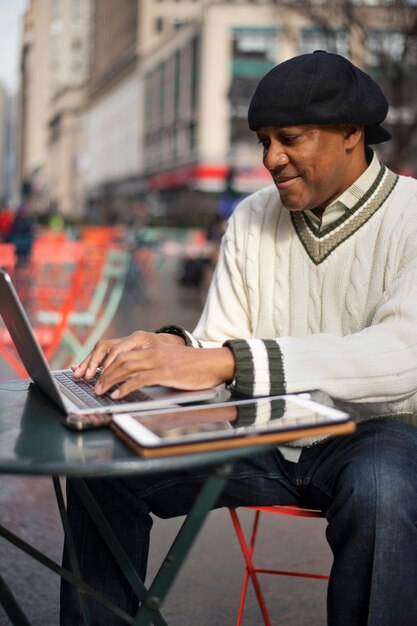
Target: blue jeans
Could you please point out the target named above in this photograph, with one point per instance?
(364, 482)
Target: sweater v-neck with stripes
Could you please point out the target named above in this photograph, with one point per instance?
(332, 309)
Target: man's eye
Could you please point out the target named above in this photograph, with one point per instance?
(289, 139)
(264, 143)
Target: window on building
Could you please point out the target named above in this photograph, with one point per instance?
(254, 50)
(55, 128)
(316, 38)
(177, 79)
(55, 27)
(195, 75)
(162, 88)
(76, 45)
(148, 98)
(178, 21)
(159, 24)
(192, 137)
(174, 142)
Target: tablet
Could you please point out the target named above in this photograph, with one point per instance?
(227, 424)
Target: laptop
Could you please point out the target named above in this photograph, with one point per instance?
(76, 396)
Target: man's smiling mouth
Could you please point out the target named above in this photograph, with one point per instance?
(285, 181)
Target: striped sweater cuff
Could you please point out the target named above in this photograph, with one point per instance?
(259, 367)
(173, 329)
(262, 413)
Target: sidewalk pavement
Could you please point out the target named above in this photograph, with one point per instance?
(207, 590)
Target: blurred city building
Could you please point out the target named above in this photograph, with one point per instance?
(113, 150)
(3, 133)
(8, 147)
(139, 106)
(12, 186)
(197, 84)
(55, 60)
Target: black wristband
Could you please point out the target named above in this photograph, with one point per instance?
(173, 329)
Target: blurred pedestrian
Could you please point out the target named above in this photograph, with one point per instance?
(21, 232)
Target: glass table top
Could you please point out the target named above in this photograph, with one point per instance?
(33, 440)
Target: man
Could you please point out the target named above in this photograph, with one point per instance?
(315, 288)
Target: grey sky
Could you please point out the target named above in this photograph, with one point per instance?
(11, 12)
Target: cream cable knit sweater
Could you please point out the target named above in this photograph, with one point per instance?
(334, 310)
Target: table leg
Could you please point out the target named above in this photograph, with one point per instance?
(152, 599)
(10, 606)
(70, 548)
(113, 544)
(204, 503)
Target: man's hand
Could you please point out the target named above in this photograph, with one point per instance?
(106, 350)
(155, 358)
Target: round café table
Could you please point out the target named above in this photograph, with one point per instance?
(34, 441)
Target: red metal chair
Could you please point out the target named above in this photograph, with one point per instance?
(248, 548)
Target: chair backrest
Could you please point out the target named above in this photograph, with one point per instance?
(65, 310)
(108, 294)
(85, 328)
(113, 277)
(51, 269)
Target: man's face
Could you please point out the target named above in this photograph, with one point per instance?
(310, 165)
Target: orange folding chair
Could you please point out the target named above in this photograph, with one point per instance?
(86, 322)
(48, 335)
(248, 549)
(51, 268)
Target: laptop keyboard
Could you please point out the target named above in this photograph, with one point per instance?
(84, 390)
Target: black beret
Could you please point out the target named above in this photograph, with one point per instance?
(319, 88)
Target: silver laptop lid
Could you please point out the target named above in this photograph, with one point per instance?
(27, 346)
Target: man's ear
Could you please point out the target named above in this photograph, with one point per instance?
(353, 134)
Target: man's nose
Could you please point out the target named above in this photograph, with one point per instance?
(275, 157)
